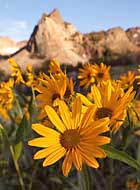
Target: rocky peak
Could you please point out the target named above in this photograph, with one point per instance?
(54, 38)
(56, 16)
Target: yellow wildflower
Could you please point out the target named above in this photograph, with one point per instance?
(101, 72)
(51, 91)
(6, 97)
(134, 111)
(69, 89)
(111, 102)
(127, 80)
(138, 76)
(30, 76)
(17, 74)
(78, 140)
(54, 68)
(93, 74)
(86, 75)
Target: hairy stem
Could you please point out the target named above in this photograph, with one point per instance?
(13, 157)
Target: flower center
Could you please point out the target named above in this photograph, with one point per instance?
(100, 75)
(103, 112)
(70, 138)
(89, 75)
(55, 96)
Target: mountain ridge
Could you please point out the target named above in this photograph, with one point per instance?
(53, 37)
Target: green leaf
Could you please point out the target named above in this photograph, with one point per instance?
(17, 150)
(1, 135)
(33, 110)
(22, 130)
(121, 156)
(72, 185)
(56, 180)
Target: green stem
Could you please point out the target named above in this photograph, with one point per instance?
(18, 106)
(17, 168)
(13, 157)
(33, 175)
(84, 179)
(111, 177)
(138, 151)
(111, 167)
(33, 94)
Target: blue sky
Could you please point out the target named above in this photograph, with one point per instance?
(18, 17)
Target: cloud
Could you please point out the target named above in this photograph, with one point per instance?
(15, 29)
(21, 24)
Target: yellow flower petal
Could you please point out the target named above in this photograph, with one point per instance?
(67, 163)
(65, 114)
(97, 96)
(96, 127)
(107, 93)
(45, 131)
(88, 116)
(101, 140)
(43, 142)
(89, 159)
(54, 157)
(84, 99)
(55, 119)
(99, 153)
(45, 152)
(77, 159)
(94, 150)
(76, 112)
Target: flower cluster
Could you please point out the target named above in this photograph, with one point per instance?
(74, 123)
(70, 123)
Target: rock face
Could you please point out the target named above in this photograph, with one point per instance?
(111, 45)
(134, 35)
(52, 37)
(118, 42)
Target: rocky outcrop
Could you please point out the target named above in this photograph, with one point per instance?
(54, 38)
(111, 46)
(134, 35)
(117, 41)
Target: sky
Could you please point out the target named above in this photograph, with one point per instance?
(18, 17)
